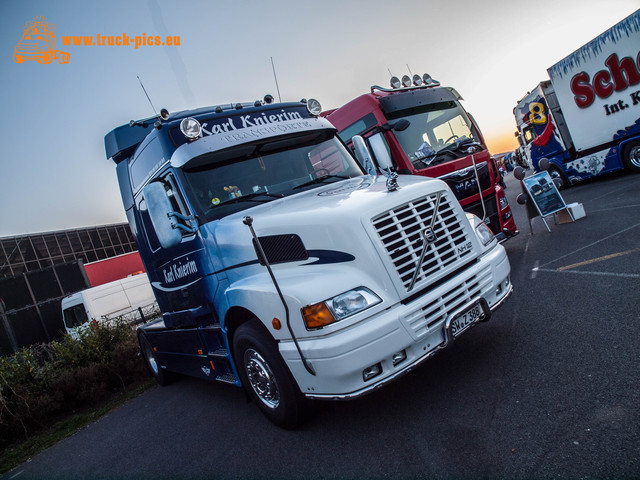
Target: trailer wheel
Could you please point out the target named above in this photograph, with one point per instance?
(631, 157)
(266, 377)
(163, 378)
(558, 177)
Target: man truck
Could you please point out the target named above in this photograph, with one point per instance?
(280, 265)
(428, 132)
(586, 118)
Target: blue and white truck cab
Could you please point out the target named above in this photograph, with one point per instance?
(282, 266)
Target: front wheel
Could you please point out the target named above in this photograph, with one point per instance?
(163, 378)
(266, 377)
(631, 157)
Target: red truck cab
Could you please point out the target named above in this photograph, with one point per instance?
(429, 133)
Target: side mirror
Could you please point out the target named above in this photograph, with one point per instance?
(363, 155)
(401, 125)
(161, 214)
(380, 151)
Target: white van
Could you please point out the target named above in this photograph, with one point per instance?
(120, 298)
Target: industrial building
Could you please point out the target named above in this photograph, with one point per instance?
(38, 270)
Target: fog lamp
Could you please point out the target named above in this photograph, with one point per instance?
(406, 81)
(417, 80)
(395, 82)
(399, 357)
(372, 371)
(191, 128)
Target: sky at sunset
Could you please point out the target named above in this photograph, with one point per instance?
(54, 171)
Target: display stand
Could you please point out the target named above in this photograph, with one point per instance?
(541, 197)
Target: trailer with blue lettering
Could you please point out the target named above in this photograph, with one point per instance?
(282, 265)
(586, 119)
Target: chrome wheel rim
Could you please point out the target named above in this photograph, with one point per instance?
(634, 156)
(261, 378)
(151, 359)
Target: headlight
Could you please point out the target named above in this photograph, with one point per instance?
(339, 307)
(483, 232)
(191, 128)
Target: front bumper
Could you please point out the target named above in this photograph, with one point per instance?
(419, 329)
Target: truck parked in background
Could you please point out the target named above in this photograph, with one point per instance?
(121, 299)
(280, 266)
(428, 132)
(586, 119)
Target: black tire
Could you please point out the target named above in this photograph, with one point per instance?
(162, 377)
(558, 177)
(631, 157)
(266, 377)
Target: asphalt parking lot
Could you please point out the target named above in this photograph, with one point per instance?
(548, 388)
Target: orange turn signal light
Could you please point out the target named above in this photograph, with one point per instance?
(317, 316)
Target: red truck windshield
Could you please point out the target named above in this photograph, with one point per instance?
(434, 133)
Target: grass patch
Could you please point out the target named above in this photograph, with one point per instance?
(20, 452)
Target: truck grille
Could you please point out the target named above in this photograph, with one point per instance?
(402, 231)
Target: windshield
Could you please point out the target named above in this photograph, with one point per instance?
(435, 132)
(223, 182)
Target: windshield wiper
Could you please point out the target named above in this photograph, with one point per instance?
(251, 197)
(320, 180)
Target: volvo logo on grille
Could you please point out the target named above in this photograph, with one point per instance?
(429, 235)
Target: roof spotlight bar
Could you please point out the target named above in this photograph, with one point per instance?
(408, 83)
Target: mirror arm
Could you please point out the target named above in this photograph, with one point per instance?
(191, 219)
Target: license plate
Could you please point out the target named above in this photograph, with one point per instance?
(466, 319)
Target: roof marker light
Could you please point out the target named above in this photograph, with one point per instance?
(406, 81)
(191, 128)
(314, 107)
(395, 82)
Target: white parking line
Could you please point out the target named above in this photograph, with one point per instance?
(581, 272)
(590, 245)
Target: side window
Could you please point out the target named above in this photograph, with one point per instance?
(357, 127)
(529, 135)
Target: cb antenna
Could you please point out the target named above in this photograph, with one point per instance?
(274, 76)
(145, 92)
